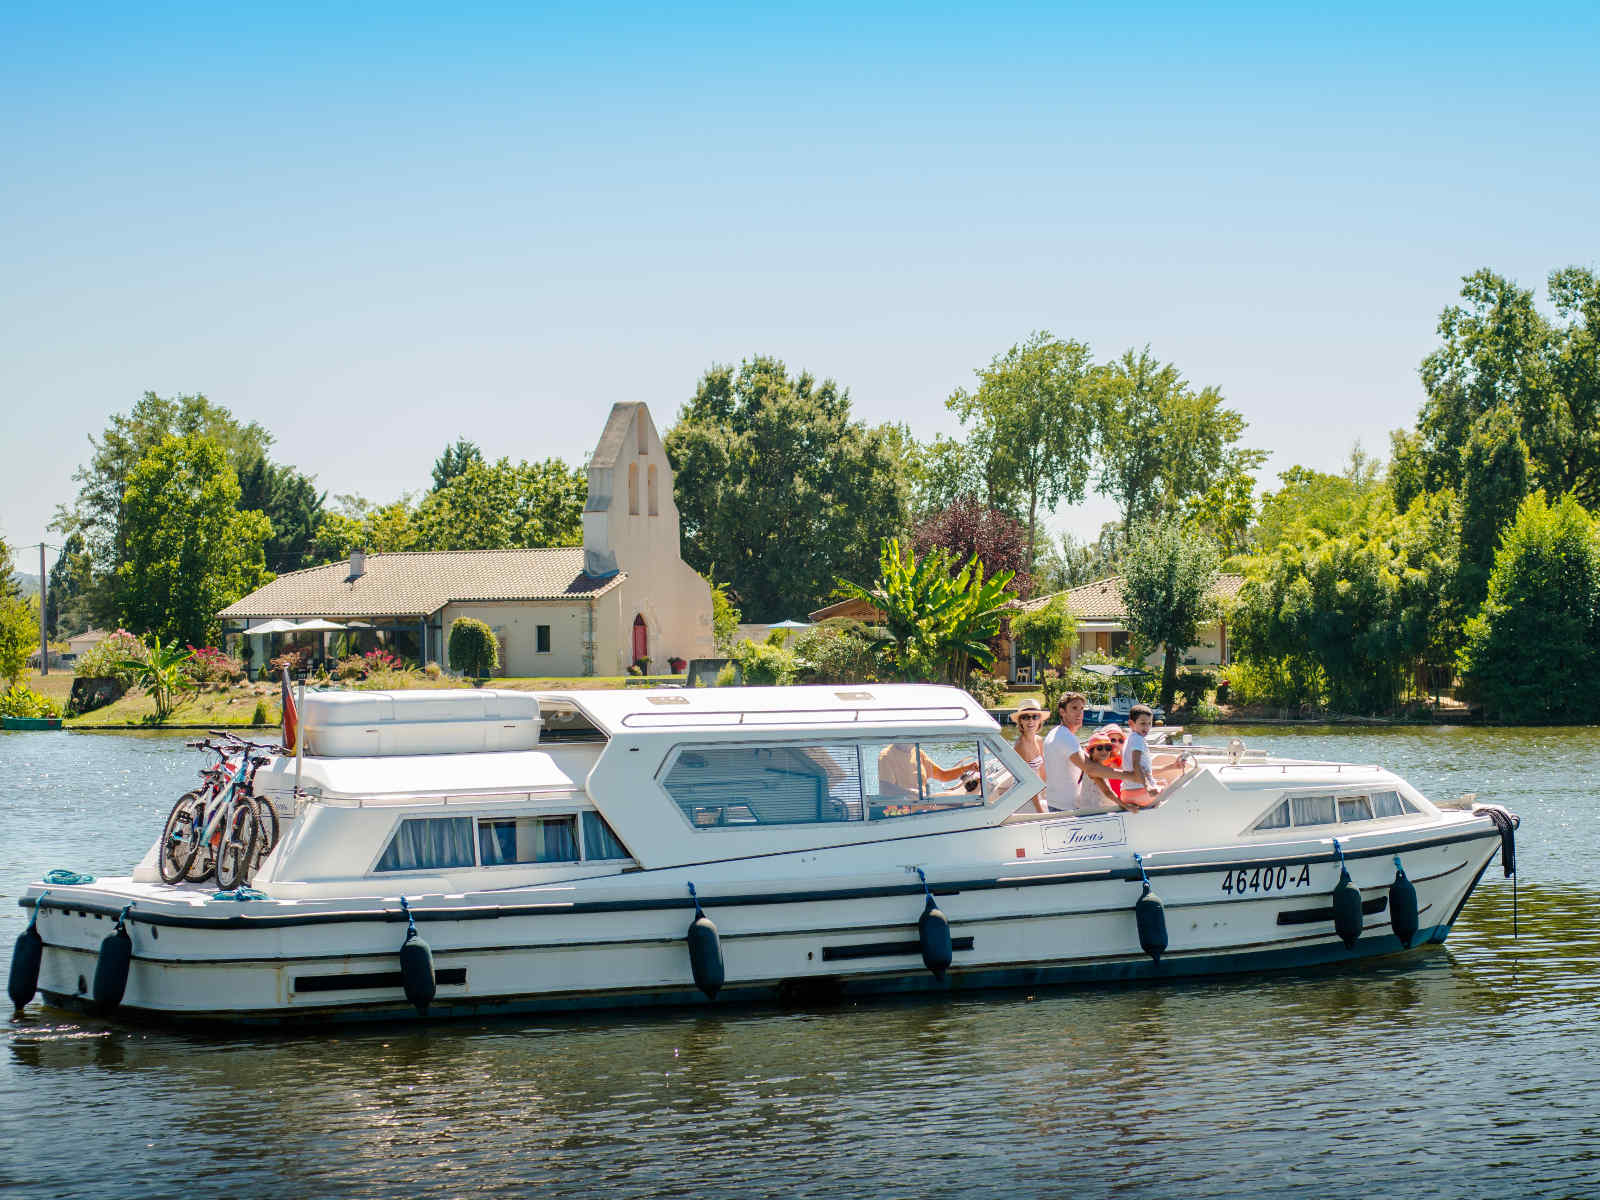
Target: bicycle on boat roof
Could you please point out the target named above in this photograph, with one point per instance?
(221, 827)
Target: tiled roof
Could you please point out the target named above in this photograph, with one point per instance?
(421, 583)
(1102, 599)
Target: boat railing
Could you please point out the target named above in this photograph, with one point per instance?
(725, 718)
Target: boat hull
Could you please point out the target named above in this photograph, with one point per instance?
(1061, 923)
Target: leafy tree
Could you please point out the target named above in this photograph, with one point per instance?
(355, 523)
(1532, 651)
(291, 502)
(473, 650)
(936, 624)
(189, 551)
(1316, 501)
(19, 636)
(779, 488)
(942, 472)
(1498, 351)
(1347, 618)
(968, 529)
(9, 589)
(456, 458)
(128, 438)
(1165, 446)
(1046, 631)
(1166, 586)
(1493, 481)
(504, 506)
(70, 579)
(1072, 562)
(1034, 422)
(725, 616)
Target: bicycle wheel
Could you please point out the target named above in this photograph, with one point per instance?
(241, 833)
(207, 840)
(180, 838)
(270, 830)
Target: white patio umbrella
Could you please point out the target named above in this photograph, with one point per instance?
(273, 626)
(315, 625)
(791, 625)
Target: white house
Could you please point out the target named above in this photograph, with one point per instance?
(625, 595)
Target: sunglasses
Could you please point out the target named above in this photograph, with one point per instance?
(1030, 716)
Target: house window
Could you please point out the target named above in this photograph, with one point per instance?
(650, 488)
(541, 639)
(633, 489)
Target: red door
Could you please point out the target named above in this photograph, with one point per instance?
(641, 639)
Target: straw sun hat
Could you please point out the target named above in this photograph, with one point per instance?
(1027, 706)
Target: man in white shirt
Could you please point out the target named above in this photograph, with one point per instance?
(1065, 762)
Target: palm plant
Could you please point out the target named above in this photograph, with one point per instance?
(935, 625)
(161, 673)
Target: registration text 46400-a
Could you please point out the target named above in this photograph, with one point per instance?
(1245, 881)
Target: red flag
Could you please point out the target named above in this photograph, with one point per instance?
(291, 719)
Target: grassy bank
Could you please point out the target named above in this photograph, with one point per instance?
(233, 707)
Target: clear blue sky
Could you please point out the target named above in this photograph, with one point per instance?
(376, 227)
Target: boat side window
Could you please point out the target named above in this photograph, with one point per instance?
(1354, 808)
(505, 840)
(1391, 804)
(429, 844)
(778, 784)
(1278, 818)
(997, 777)
(907, 778)
(1313, 810)
(600, 840)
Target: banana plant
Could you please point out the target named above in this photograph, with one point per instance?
(161, 674)
(935, 625)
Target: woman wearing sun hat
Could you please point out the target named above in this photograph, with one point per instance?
(1029, 720)
(1094, 794)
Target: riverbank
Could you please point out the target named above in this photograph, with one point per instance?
(235, 706)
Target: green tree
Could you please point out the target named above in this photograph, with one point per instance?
(127, 439)
(1166, 588)
(1493, 481)
(9, 589)
(1164, 446)
(70, 579)
(1033, 423)
(355, 523)
(1317, 501)
(504, 506)
(1498, 351)
(455, 459)
(473, 650)
(725, 617)
(1531, 653)
(292, 503)
(779, 488)
(1046, 631)
(1072, 562)
(189, 551)
(19, 637)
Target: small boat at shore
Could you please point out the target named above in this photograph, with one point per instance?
(455, 854)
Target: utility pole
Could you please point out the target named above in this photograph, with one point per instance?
(44, 645)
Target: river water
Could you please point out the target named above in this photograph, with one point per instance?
(1471, 1069)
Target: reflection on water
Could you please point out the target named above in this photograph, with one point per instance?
(1460, 1070)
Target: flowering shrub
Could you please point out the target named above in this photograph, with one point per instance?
(207, 664)
(364, 666)
(104, 661)
(294, 660)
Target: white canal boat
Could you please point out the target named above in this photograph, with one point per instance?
(464, 853)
